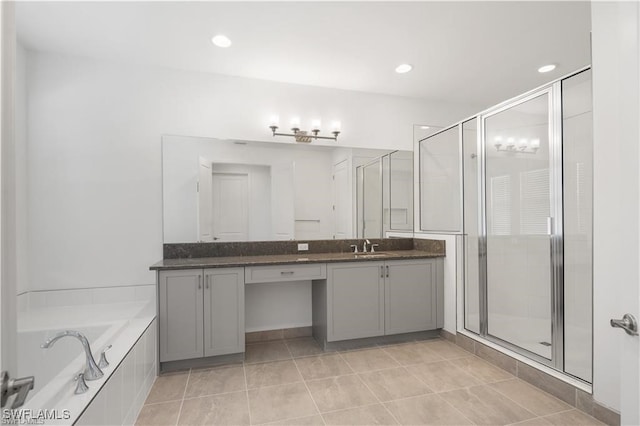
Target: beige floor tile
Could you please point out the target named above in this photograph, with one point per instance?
(226, 409)
(301, 421)
(214, 381)
(165, 413)
(426, 410)
(272, 373)
(305, 346)
(339, 393)
(369, 359)
(481, 369)
(485, 406)
(446, 350)
(443, 376)
(412, 353)
(538, 402)
(323, 366)
(264, 352)
(394, 383)
(280, 402)
(368, 415)
(169, 387)
(570, 418)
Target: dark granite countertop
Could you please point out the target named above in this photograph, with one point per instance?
(288, 259)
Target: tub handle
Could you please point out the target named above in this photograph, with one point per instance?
(103, 358)
(81, 386)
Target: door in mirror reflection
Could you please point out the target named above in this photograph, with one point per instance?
(518, 209)
(230, 207)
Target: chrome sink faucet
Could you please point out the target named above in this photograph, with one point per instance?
(91, 370)
(364, 246)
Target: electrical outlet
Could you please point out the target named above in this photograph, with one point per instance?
(303, 246)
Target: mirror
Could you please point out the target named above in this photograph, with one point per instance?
(232, 190)
(385, 195)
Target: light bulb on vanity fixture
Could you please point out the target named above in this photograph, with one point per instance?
(521, 146)
(303, 135)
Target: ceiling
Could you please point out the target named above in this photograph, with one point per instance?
(477, 53)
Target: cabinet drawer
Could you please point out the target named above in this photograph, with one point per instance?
(277, 273)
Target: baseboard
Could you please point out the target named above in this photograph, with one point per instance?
(564, 391)
(281, 334)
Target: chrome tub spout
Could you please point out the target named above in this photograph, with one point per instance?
(91, 370)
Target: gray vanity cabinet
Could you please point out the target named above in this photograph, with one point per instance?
(373, 298)
(355, 300)
(180, 311)
(201, 313)
(223, 311)
(411, 295)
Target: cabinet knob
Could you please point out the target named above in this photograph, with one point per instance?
(199, 282)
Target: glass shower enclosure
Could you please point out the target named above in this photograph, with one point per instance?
(526, 220)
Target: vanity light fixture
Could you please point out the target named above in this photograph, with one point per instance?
(523, 146)
(221, 40)
(303, 135)
(547, 68)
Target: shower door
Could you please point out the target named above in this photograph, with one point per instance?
(522, 211)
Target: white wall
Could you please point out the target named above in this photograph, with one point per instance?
(95, 156)
(452, 274)
(21, 169)
(616, 200)
(8, 211)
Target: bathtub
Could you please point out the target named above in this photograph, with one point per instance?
(121, 323)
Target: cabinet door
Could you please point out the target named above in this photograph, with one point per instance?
(180, 311)
(355, 300)
(223, 311)
(410, 296)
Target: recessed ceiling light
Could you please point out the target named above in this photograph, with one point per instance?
(424, 127)
(221, 41)
(547, 68)
(403, 68)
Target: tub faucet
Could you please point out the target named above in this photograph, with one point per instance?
(91, 370)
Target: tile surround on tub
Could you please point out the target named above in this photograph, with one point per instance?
(262, 248)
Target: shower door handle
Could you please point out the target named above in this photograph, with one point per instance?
(628, 323)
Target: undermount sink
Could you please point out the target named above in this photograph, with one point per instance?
(369, 255)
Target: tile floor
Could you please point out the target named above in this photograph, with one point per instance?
(293, 382)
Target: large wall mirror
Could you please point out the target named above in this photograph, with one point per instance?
(385, 195)
(231, 190)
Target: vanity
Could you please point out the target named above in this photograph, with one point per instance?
(258, 238)
(356, 297)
